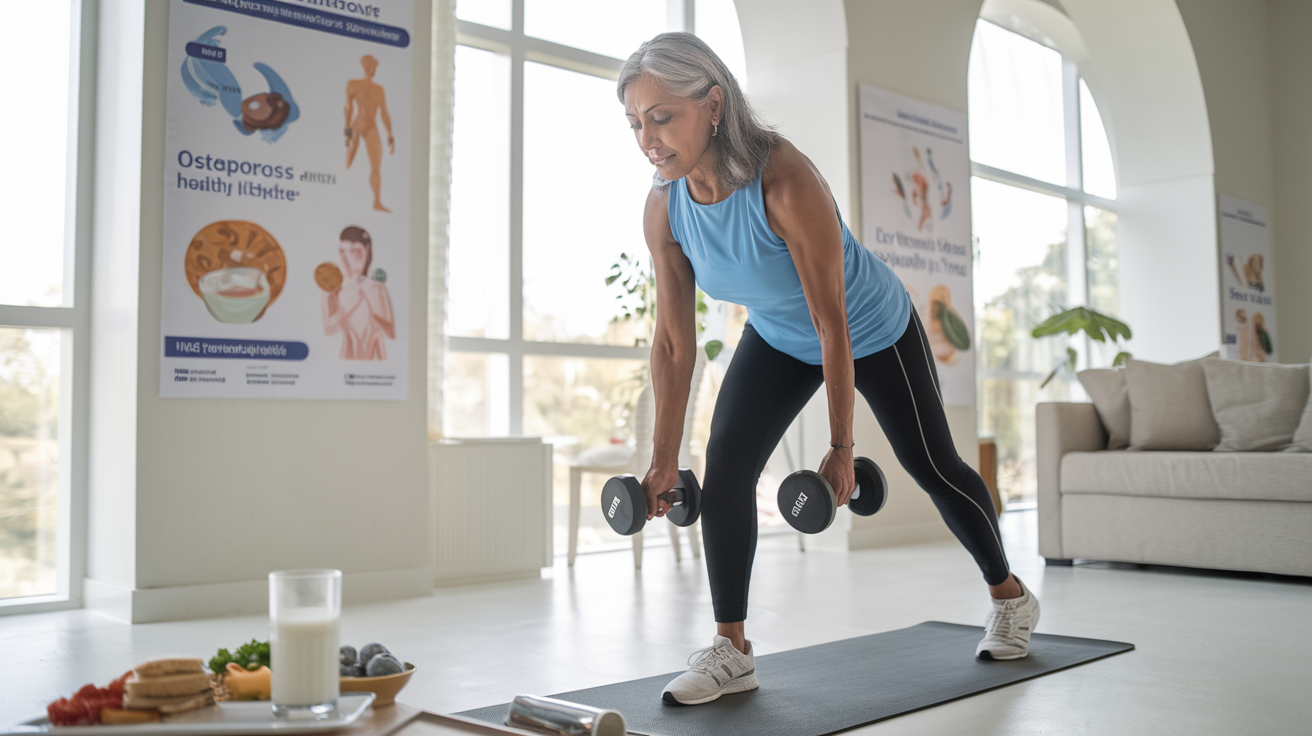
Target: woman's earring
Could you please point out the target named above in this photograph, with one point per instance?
(716, 130)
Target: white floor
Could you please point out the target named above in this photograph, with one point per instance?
(1217, 654)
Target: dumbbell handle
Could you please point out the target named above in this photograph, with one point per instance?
(674, 496)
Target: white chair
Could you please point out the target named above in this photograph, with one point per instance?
(636, 459)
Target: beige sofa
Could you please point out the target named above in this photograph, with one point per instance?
(1222, 510)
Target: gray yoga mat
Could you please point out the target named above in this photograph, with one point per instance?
(832, 687)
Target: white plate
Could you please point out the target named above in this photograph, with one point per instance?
(239, 718)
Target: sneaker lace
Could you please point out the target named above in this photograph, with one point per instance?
(1002, 622)
(705, 659)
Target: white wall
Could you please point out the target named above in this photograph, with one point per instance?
(920, 50)
(1290, 28)
(193, 502)
(1141, 69)
(111, 531)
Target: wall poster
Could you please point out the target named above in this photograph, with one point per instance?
(1248, 308)
(915, 213)
(286, 199)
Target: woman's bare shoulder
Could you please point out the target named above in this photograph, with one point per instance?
(789, 174)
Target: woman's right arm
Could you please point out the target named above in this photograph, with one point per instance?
(673, 349)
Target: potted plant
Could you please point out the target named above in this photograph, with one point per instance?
(1096, 325)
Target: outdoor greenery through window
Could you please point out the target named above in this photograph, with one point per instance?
(1044, 221)
(547, 195)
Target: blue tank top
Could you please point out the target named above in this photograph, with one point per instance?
(738, 258)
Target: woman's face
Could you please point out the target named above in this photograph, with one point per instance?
(354, 256)
(673, 132)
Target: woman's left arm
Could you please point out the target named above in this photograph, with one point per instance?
(801, 210)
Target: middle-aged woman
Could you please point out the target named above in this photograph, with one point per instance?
(738, 210)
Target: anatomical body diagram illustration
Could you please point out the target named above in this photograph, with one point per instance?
(207, 76)
(923, 192)
(237, 268)
(354, 303)
(366, 100)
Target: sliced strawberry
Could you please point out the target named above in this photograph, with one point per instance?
(118, 686)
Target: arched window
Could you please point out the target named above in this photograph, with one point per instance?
(1043, 197)
(547, 193)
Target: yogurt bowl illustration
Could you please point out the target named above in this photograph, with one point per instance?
(236, 296)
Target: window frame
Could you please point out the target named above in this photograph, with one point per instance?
(74, 323)
(522, 48)
(1077, 275)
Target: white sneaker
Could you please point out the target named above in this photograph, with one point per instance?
(1008, 627)
(717, 670)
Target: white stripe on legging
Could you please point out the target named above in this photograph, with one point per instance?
(924, 346)
(916, 409)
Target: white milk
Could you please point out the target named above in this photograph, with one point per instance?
(303, 649)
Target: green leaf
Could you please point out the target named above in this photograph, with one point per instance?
(1119, 360)
(713, 349)
(1071, 356)
(1264, 337)
(611, 279)
(953, 327)
(1096, 325)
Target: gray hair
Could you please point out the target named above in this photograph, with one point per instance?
(686, 67)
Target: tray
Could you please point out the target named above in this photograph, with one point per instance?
(240, 718)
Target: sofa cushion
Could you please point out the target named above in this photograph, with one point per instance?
(1169, 409)
(1303, 435)
(1239, 476)
(1111, 399)
(1256, 405)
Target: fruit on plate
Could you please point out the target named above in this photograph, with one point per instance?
(371, 650)
(347, 656)
(383, 664)
(86, 705)
(242, 684)
(373, 660)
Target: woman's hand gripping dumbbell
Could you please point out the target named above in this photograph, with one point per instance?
(624, 502)
(809, 504)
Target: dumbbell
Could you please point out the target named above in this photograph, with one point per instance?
(809, 503)
(625, 505)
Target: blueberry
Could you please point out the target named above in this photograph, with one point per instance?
(369, 651)
(384, 664)
(347, 657)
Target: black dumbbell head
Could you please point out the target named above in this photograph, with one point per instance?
(807, 502)
(624, 505)
(686, 513)
(872, 487)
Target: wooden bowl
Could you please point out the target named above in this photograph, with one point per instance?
(384, 687)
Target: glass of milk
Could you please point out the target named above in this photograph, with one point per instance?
(305, 611)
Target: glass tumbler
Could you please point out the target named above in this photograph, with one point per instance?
(305, 611)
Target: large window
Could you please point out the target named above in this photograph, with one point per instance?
(547, 193)
(43, 310)
(1044, 219)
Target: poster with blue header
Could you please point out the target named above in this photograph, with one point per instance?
(286, 200)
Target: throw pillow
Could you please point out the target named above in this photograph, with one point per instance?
(1169, 408)
(1111, 399)
(1256, 405)
(1303, 435)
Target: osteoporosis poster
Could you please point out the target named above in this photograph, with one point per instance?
(915, 210)
(1248, 303)
(286, 199)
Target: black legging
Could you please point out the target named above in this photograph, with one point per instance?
(765, 389)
